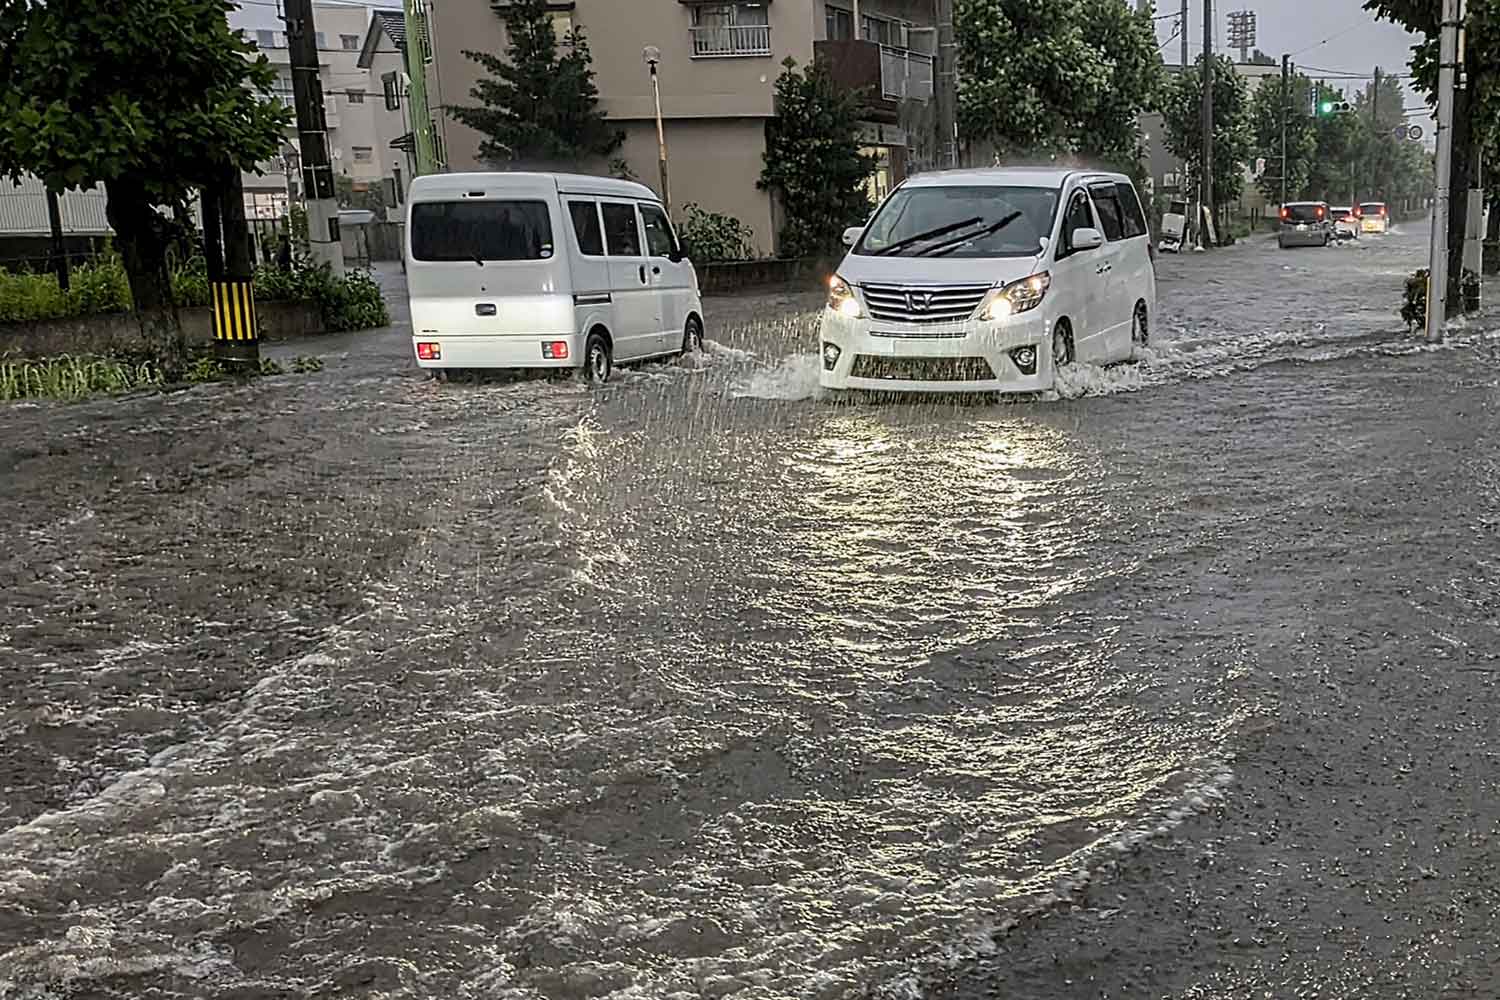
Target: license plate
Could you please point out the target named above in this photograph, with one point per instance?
(1301, 227)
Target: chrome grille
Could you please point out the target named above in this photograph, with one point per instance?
(923, 303)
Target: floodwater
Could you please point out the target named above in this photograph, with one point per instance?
(696, 685)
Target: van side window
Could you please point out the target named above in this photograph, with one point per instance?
(620, 230)
(659, 237)
(1135, 219)
(1111, 218)
(585, 216)
(1079, 217)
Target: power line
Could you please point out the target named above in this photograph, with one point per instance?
(1364, 23)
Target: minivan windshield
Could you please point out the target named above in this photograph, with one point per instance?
(981, 221)
(1303, 213)
(480, 231)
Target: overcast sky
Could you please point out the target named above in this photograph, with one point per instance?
(1357, 42)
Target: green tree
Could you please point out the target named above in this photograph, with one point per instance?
(1233, 138)
(813, 160)
(1273, 100)
(1056, 77)
(1476, 110)
(538, 105)
(1342, 140)
(151, 98)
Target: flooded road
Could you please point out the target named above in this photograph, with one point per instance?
(700, 685)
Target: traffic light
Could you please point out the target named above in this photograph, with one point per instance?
(1335, 108)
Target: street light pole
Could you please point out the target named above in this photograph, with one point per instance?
(1437, 263)
(652, 55)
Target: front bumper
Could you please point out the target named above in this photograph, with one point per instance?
(879, 356)
(524, 351)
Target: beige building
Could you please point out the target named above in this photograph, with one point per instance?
(360, 128)
(719, 64)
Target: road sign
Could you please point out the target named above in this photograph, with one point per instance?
(1414, 132)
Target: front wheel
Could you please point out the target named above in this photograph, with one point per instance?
(1062, 345)
(1140, 330)
(692, 336)
(598, 359)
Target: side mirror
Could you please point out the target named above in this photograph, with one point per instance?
(852, 235)
(1087, 239)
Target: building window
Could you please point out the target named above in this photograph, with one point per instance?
(879, 184)
(879, 29)
(350, 42)
(562, 24)
(355, 96)
(364, 154)
(839, 24)
(731, 29)
(265, 39)
(320, 40)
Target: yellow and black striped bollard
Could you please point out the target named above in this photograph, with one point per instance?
(236, 336)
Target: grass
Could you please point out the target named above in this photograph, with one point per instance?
(74, 378)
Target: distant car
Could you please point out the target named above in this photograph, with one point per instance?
(1345, 222)
(1304, 224)
(1374, 217)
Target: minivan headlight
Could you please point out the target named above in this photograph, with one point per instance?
(1016, 297)
(841, 299)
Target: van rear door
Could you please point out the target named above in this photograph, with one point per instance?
(483, 265)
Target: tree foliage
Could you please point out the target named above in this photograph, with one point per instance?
(538, 105)
(1056, 76)
(152, 98)
(1294, 101)
(1233, 138)
(813, 160)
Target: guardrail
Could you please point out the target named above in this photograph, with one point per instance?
(727, 41)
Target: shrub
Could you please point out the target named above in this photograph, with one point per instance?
(190, 282)
(96, 287)
(1414, 302)
(352, 302)
(710, 236)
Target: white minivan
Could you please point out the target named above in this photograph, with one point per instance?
(532, 270)
(990, 281)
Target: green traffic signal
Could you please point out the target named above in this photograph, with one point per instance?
(1326, 107)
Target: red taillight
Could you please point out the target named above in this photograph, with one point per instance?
(1320, 211)
(429, 352)
(1382, 210)
(1356, 213)
(1286, 213)
(555, 350)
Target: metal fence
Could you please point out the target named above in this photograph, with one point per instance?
(905, 75)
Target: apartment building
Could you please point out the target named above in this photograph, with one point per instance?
(360, 127)
(718, 70)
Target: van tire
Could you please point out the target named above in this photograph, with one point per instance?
(1063, 354)
(1140, 329)
(598, 358)
(692, 336)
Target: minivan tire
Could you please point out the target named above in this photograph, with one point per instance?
(1140, 328)
(598, 359)
(692, 336)
(1062, 344)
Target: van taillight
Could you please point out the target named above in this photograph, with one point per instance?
(429, 352)
(555, 350)
(1320, 211)
(1286, 213)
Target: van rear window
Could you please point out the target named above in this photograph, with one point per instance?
(1303, 213)
(480, 230)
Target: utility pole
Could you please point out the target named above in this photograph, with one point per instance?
(312, 131)
(1437, 264)
(947, 86)
(1286, 105)
(1182, 30)
(1208, 121)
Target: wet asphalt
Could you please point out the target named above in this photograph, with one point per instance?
(1180, 685)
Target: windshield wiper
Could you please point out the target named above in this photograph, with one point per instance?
(930, 234)
(952, 245)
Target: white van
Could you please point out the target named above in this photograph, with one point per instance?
(990, 281)
(530, 270)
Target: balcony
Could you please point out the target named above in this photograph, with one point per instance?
(731, 41)
(886, 75)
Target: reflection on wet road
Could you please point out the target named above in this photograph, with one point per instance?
(692, 686)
